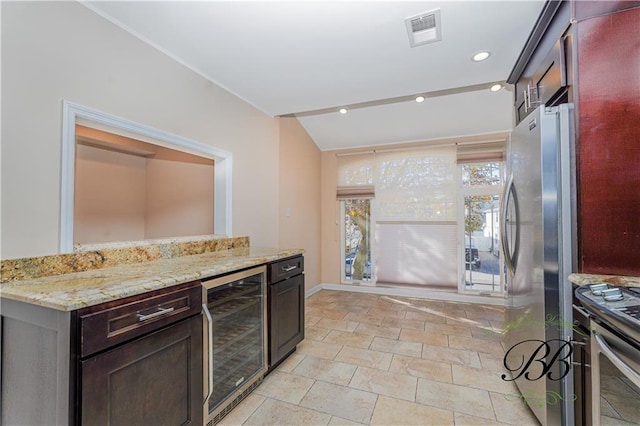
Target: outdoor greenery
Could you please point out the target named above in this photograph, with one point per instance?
(357, 213)
(478, 175)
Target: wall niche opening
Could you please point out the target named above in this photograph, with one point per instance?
(129, 190)
(124, 181)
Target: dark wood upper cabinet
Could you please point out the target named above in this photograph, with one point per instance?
(540, 74)
(590, 9)
(608, 148)
(599, 42)
(548, 83)
(551, 77)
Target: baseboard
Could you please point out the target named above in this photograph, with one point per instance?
(409, 292)
(313, 290)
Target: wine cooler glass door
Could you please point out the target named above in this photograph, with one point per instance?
(235, 332)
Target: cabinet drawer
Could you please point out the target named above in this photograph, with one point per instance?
(286, 268)
(109, 324)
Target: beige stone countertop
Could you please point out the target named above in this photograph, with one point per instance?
(68, 292)
(619, 280)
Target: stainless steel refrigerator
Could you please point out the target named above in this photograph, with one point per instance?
(537, 244)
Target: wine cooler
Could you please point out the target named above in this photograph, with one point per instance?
(235, 339)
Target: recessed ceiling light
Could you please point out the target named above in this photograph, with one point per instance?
(496, 87)
(343, 111)
(481, 56)
(419, 99)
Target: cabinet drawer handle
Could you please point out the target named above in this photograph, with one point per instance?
(161, 311)
(288, 268)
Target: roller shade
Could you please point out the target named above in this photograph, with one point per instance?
(355, 169)
(480, 152)
(355, 192)
(417, 253)
(355, 176)
(416, 185)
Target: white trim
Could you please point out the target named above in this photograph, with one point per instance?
(475, 191)
(497, 300)
(312, 291)
(372, 245)
(71, 113)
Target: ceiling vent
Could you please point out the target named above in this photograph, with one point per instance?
(424, 28)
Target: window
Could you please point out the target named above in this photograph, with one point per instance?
(357, 239)
(412, 194)
(481, 184)
(423, 216)
(355, 191)
(415, 210)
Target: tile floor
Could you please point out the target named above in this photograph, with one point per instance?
(383, 360)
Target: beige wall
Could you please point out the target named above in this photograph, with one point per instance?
(61, 50)
(179, 199)
(330, 220)
(299, 202)
(109, 196)
(124, 197)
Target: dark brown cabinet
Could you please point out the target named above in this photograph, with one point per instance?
(599, 42)
(548, 83)
(140, 360)
(286, 308)
(150, 381)
(608, 148)
(540, 76)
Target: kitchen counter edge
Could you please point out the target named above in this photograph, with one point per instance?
(68, 292)
(619, 280)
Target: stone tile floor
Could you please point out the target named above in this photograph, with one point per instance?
(384, 360)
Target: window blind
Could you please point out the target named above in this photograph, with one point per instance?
(416, 253)
(355, 169)
(417, 185)
(355, 192)
(355, 176)
(480, 152)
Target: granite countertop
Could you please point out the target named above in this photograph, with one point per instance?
(71, 291)
(619, 280)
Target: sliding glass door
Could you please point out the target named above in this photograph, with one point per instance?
(480, 225)
(356, 238)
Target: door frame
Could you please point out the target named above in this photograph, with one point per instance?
(471, 191)
(372, 277)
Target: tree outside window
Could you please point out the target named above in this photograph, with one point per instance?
(357, 239)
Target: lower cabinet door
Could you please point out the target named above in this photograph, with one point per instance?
(153, 380)
(286, 329)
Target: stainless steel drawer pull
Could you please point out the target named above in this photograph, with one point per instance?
(160, 312)
(289, 268)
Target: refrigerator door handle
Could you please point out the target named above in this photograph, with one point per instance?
(510, 253)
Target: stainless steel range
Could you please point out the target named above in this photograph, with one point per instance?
(615, 352)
